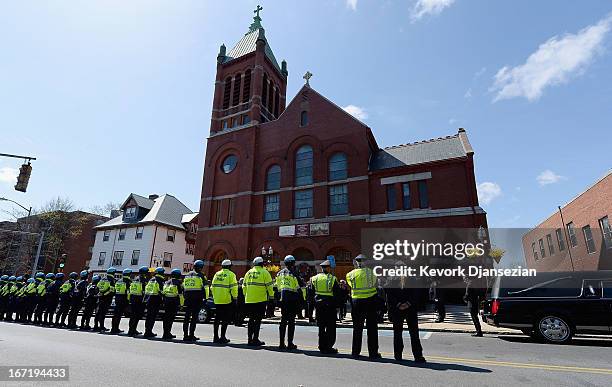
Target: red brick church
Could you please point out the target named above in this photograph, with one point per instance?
(304, 178)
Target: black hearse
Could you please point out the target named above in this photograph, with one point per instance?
(552, 306)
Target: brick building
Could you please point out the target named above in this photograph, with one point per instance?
(306, 177)
(581, 240)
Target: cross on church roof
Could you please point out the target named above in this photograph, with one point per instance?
(259, 8)
(307, 77)
(256, 19)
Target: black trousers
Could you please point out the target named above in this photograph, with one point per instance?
(120, 305)
(90, 307)
(75, 308)
(62, 313)
(103, 305)
(192, 309)
(256, 312)
(412, 320)
(223, 316)
(326, 321)
(287, 323)
(439, 306)
(41, 304)
(137, 311)
(153, 304)
(473, 306)
(171, 306)
(50, 309)
(364, 311)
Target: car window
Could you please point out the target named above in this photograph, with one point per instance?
(592, 289)
(563, 287)
(607, 289)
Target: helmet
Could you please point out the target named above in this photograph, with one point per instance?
(96, 278)
(226, 262)
(289, 259)
(176, 272)
(325, 263)
(84, 274)
(50, 276)
(73, 275)
(19, 278)
(111, 270)
(40, 274)
(198, 264)
(258, 261)
(59, 276)
(159, 270)
(12, 278)
(143, 269)
(31, 280)
(127, 271)
(4, 277)
(360, 258)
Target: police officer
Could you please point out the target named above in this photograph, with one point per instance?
(325, 288)
(257, 291)
(53, 298)
(19, 298)
(4, 285)
(121, 299)
(153, 299)
(29, 300)
(91, 300)
(173, 299)
(12, 289)
(195, 287)
(41, 304)
(136, 294)
(289, 286)
(65, 297)
(78, 294)
(362, 282)
(474, 292)
(106, 290)
(225, 292)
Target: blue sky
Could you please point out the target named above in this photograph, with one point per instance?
(114, 97)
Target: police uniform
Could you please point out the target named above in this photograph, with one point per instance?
(195, 290)
(224, 288)
(3, 295)
(325, 289)
(137, 305)
(173, 298)
(65, 294)
(78, 294)
(289, 286)
(41, 300)
(106, 290)
(153, 299)
(91, 300)
(121, 301)
(52, 301)
(257, 291)
(364, 295)
(30, 300)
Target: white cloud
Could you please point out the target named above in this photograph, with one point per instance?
(453, 121)
(554, 62)
(428, 7)
(352, 4)
(8, 175)
(468, 94)
(549, 177)
(356, 112)
(480, 72)
(488, 191)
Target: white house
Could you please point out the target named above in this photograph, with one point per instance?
(154, 231)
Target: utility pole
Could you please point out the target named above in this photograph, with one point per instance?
(40, 242)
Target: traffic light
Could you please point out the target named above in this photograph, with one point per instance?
(24, 177)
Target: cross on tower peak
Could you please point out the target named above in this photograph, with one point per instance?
(307, 77)
(256, 19)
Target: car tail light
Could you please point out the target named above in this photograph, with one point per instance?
(494, 307)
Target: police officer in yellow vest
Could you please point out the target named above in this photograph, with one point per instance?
(325, 287)
(65, 298)
(4, 285)
(257, 291)
(224, 288)
(289, 285)
(106, 290)
(136, 295)
(362, 282)
(30, 294)
(153, 299)
(78, 295)
(195, 288)
(173, 299)
(121, 299)
(41, 303)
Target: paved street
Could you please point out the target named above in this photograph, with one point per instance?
(453, 359)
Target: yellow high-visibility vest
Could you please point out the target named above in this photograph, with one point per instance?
(362, 282)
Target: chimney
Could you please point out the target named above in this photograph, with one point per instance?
(115, 213)
(153, 196)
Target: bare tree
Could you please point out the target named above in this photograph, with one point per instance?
(105, 209)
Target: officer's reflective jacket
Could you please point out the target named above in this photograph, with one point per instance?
(154, 286)
(106, 286)
(136, 287)
(257, 285)
(195, 285)
(172, 288)
(323, 284)
(362, 282)
(79, 289)
(289, 285)
(122, 286)
(30, 289)
(66, 289)
(224, 287)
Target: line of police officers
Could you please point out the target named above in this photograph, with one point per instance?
(36, 300)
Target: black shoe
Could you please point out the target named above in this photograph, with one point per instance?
(258, 343)
(168, 337)
(477, 334)
(149, 335)
(282, 346)
(356, 355)
(291, 347)
(420, 359)
(187, 338)
(375, 356)
(115, 331)
(398, 357)
(224, 340)
(194, 338)
(102, 329)
(216, 340)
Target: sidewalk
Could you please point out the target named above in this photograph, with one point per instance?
(457, 320)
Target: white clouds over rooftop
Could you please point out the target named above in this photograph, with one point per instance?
(356, 112)
(428, 7)
(549, 177)
(488, 191)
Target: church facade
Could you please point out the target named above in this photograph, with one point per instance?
(305, 177)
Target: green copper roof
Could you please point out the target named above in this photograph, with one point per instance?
(247, 45)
